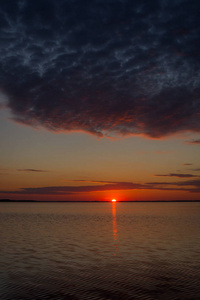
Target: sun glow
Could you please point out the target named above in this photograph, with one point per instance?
(114, 200)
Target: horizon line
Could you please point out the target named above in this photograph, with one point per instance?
(99, 201)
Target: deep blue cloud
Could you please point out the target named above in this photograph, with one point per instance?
(102, 66)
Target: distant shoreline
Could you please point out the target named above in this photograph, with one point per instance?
(54, 201)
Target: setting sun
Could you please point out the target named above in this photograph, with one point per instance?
(114, 200)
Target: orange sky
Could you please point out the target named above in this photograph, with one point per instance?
(33, 159)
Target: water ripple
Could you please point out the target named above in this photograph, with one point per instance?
(99, 254)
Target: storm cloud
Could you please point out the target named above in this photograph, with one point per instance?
(104, 67)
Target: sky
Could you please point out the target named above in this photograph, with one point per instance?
(100, 99)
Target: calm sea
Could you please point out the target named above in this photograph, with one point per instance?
(99, 251)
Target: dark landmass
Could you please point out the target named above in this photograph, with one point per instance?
(43, 201)
(10, 200)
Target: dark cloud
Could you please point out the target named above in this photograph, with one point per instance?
(187, 164)
(197, 142)
(103, 66)
(192, 186)
(177, 175)
(31, 170)
(189, 186)
(95, 181)
(59, 190)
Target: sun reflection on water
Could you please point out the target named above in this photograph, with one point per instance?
(115, 234)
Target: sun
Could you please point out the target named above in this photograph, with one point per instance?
(114, 200)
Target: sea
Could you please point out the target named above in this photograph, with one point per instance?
(92, 250)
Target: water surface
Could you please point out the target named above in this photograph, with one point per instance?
(100, 251)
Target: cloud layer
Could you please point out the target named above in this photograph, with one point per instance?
(32, 170)
(197, 142)
(192, 186)
(104, 67)
(177, 175)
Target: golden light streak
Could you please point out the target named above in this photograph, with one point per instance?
(114, 219)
